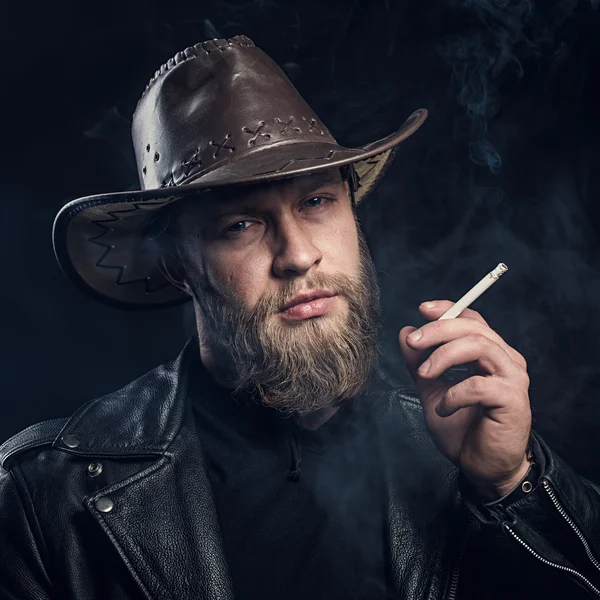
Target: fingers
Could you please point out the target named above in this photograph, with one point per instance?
(469, 321)
(484, 391)
(441, 306)
(489, 357)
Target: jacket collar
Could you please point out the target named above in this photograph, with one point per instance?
(141, 419)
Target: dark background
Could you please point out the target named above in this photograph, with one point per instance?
(506, 169)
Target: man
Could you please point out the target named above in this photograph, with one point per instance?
(270, 459)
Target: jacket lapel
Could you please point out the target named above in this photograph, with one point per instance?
(161, 517)
(164, 525)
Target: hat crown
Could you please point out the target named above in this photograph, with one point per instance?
(212, 104)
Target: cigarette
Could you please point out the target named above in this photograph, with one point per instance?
(475, 292)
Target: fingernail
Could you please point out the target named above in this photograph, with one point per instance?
(416, 335)
(425, 367)
(428, 304)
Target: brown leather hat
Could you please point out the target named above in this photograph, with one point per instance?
(218, 113)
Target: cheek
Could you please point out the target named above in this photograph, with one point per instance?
(340, 248)
(241, 275)
(244, 275)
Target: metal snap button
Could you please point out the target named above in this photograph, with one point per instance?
(70, 441)
(104, 504)
(527, 486)
(94, 469)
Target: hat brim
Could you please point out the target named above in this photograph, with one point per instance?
(100, 240)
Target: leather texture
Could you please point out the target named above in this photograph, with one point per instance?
(219, 113)
(40, 434)
(146, 525)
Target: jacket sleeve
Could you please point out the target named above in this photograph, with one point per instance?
(22, 572)
(557, 523)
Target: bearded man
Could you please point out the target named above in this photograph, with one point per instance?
(270, 459)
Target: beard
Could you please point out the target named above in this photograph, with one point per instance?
(301, 367)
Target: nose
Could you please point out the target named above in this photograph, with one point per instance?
(296, 252)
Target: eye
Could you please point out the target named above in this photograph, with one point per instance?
(317, 202)
(238, 227)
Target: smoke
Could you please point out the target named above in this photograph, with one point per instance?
(509, 183)
(502, 34)
(210, 31)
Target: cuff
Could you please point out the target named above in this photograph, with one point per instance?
(526, 486)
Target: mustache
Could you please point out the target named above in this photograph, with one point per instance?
(275, 302)
(283, 297)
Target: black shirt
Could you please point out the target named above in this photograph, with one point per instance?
(301, 510)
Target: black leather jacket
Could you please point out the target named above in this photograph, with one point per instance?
(115, 503)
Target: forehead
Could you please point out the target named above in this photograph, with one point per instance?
(218, 201)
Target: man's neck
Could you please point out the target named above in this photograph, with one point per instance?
(220, 375)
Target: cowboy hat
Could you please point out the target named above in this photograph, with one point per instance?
(219, 113)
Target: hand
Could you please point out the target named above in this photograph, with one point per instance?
(481, 424)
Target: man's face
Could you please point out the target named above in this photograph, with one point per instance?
(249, 254)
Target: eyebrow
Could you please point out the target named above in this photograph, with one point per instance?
(302, 187)
(318, 180)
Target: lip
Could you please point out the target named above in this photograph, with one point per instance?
(317, 307)
(307, 297)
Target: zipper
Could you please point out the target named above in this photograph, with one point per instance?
(567, 518)
(559, 507)
(456, 569)
(576, 574)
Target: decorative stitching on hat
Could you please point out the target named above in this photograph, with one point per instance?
(188, 165)
(108, 247)
(312, 124)
(191, 165)
(288, 125)
(169, 182)
(195, 51)
(222, 146)
(256, 134)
